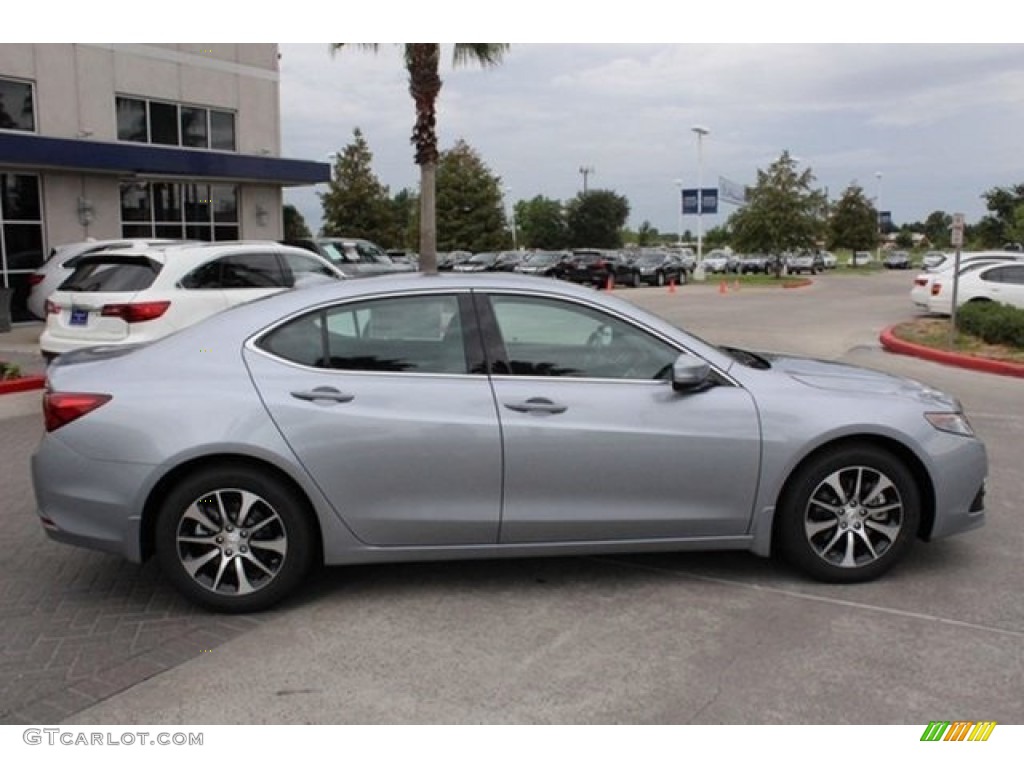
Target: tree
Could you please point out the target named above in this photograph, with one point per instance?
(295, 226)
(937, 228)
(356, 204)
(422, 62)
(595, 219)
(854, 222)
(470, 207)
(405, 221)
(541, 223)
(647, 234)
(783, 213)
(1006, 221)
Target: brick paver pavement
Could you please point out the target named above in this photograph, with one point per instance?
(78, 626)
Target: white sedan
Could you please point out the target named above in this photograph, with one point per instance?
(921, 292)
(999, 281)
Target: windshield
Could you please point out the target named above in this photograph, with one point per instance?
(484, 258)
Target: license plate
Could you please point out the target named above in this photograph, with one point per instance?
(79, 317)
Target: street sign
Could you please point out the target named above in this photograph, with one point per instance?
(691, 200)
(700, 201)
(709, 200)
(958, 230)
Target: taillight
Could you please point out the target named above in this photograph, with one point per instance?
(60, 408)
(936, 289)
(52, 308)
(34, 279)
(921, 281)
(136, 313)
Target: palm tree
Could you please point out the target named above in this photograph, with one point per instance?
(422, 62)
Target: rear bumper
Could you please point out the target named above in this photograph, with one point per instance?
(89, 503)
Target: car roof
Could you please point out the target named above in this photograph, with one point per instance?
(185, 257)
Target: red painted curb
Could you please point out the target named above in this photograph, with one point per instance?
(23, 384)
(899, 346)
(799, 284)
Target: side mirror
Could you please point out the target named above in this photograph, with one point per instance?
(690, 374)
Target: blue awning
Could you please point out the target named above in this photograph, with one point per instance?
(43, 152)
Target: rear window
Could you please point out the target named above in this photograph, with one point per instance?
(112, 274)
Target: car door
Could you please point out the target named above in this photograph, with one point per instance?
(387, 405)
(597, 443)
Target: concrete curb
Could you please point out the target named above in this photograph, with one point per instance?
(22, 384)
(901, 347)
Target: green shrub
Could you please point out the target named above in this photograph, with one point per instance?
(992, 322)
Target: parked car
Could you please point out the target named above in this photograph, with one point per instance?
(353, 256)
(805, 262)
(861, 259)
(829, 260)
(755, 264)
(60, 263)
(719, 262)
(999, 281)
(263, 458)
(402, 256)
(658, 268)
(446, 260)
(595, 267)
(897, 260)
(542, 263)
(921, 291)
(137, 295)
(490, 261)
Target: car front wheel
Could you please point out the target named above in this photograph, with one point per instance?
(849, 515)
(234, 539)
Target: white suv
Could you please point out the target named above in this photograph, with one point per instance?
(61, 263)
(140, 294)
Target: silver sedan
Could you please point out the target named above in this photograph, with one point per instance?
(469, 416)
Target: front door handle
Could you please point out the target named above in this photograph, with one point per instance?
(537, 405)
(324, 393)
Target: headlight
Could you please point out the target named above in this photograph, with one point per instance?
(955, 423)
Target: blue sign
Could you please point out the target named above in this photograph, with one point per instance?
(700, 201)
(691, 201)
(709, 200)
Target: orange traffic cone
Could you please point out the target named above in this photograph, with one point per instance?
(722, 288)
(736, 284)
(609, 283)
(672, 286)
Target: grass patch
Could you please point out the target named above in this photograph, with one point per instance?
(933, 332)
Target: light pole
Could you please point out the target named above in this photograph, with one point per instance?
(878, 214)
(512, 212)
(585, 171)
(679, 211)
(701, 131)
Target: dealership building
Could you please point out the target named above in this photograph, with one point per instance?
(109, 141)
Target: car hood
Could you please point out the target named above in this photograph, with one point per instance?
(841, 377)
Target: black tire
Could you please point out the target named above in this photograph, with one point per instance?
(637, 280)
(849, 514)
(226, 567)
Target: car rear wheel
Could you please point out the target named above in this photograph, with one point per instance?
(234, 539)
(849, 515)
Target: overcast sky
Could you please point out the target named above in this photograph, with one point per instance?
(941, 123)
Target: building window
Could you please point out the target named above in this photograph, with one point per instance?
(21, 237)
(206, 212)
(17, 107)
(160, 122)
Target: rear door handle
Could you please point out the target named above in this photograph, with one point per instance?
(537, 405)
(324, 393)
